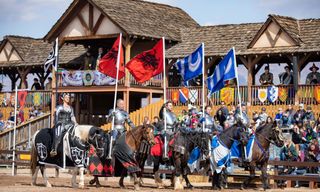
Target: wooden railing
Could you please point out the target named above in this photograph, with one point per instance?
(31, 99)
(156, 81)
(24, 132)
(305, 94)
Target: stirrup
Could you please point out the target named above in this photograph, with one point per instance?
(53, 153)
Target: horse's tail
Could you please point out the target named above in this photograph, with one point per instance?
(34, 155)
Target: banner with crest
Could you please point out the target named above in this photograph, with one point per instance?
(175, 96)
(262, 95)
(193, 95)
(283, 93)
(317, 93)
(227, 95)
(273, 93)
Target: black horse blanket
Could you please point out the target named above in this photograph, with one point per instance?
(124, 157)
(74, 150)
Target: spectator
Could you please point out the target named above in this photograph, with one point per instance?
(36, 85)
(279, 115)
(310, 134)
(231, 119)
(21, 116)
(311, 156)
(313, 77)
(309, 116)
(284, 121)
(300, 114)
(266, 78)
(11, 117)
(286, 78)
(263, 115)
(99, 56)
(296, 137)
(288, 151)
(291, 112)
(220, 117)
(269, 120)
(49, 84)
(88, 60)
(2, 122)
(146, 120)
(224, 109)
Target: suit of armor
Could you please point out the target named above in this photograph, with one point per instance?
(120, 118)
(209, 124)
(65, 120)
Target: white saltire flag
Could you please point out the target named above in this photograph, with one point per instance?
(52, 59)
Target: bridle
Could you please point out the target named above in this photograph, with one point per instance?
(267, 139)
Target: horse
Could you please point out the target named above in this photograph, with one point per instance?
(72, 150)
(264, 135)
(123, 153)
(221, 145)
(181, 147)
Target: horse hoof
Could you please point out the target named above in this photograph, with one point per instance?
(122, 186)
(136, 187)
(49, 185)
(81, 186)
(92, 181)
(75, 186)
(98, 185)
(189, 187)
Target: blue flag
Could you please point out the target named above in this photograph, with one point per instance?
(191, 66)
(224, 71)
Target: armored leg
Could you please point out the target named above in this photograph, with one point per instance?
(56, 140)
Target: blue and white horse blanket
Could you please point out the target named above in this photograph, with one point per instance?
(236, 150)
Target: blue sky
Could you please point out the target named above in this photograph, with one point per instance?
(35, 17)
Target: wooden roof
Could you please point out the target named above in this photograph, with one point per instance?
(135, 17)
(34, 52)
(219, 39)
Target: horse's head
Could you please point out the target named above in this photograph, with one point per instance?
(276, 135)
(204, 142)
(148, 133)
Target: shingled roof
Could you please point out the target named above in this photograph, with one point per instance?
(141, 18)
(34, 52)
(219, 39)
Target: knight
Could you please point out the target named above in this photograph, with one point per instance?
(171, 122)
(209, 122)
(65, 120)
(120, 118)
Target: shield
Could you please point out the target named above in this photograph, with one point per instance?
(273, 93)
(317, 93)
(227, 95)
(183, 95)
(262, 95)
(193, 95)
(283, 93)
(175, 96)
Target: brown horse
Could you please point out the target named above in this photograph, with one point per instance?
(123, 152)
(264, 135)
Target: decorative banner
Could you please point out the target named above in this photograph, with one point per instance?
(102, 79)
(22, 95)
(175, 96)
(2, 99)
(12, 98)
(80, 78)
(317, 93)
(193, 95)
(183, 95)
(36, 99)
(227, 95)
(262, 95)
(283, 93)
(272, 93)
(87, 77)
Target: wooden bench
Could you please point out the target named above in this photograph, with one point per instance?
(313, 179)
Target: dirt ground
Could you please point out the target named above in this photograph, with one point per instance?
(22, 183)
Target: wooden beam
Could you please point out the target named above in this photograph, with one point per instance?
(212, 62)
(90, 37)
(271, 41)
(11, 52)
(304, 61)
(97, 24)
(244, 61)
(128, 45)
(6, 54)
(257, 69)
(83, 23)
(90, 18)
(276, 38)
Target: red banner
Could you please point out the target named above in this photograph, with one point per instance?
(22, 95)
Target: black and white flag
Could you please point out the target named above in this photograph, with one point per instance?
(52, 59)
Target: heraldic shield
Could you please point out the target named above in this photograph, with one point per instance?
(193, 95)
(262, 95)
(175, 96)
(283, 94)
(317, 93)
(227, 95)
(273, 93)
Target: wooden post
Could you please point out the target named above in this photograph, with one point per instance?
(13, 77)
(126, 95)
(53, 97)
(128, 43)
(149, 97)
(23, 72)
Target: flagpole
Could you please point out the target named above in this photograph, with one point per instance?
(164, 98)
(203, 99)
(115, 92)
(236, 72)
(55, 68)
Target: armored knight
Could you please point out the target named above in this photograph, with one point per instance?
(65, 120)
(120, 118)
(208, 120)
(171, 122)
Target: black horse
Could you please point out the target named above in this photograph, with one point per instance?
(221, 145)
(264, 135)
(183, 144)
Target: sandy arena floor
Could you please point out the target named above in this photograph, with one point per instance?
(22, 183)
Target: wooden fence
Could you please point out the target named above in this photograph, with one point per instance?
(24, 132)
